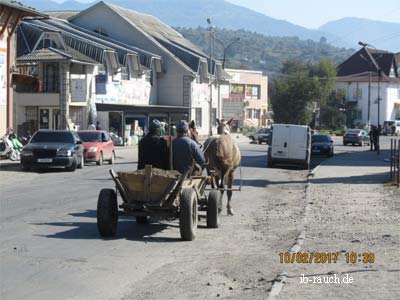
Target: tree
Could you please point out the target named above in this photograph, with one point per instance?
(294, 94)
(333, 114)
(292, 98)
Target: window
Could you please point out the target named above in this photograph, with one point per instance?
(149, 76)
(357, 93)
(249, 114)
(51, 78)
(237, 89)
(198, 117)
(256, 114)
(252, 92)
(124, 73)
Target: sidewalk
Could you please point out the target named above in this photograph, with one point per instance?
(350, 209)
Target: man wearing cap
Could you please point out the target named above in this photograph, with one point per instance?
(185, 150)
(153, 149)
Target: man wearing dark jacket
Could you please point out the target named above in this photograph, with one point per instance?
(153, 149)
(185, 150)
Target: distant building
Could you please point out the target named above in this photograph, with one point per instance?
(358, 79)
(246, 98)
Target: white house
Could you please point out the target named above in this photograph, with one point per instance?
(359, 78)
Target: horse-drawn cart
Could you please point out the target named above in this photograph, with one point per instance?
(160, 193)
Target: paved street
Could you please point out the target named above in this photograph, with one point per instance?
(50, 248)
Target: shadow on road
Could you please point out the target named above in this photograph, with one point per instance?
(127, 229)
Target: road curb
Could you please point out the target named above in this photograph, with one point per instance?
(280, 280)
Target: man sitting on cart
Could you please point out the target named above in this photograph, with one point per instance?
(185, 150)
(153, 149)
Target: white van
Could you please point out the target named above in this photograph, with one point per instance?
(290, 144)
(388, 127)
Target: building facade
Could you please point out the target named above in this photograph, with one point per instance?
(245, 99)
(11, 13)
(365, 77)
(186, 73)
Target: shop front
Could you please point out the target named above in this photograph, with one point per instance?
(128, 121)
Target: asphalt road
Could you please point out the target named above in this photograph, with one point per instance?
(50, 247)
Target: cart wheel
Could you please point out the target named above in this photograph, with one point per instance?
(188, 215)
(142, 220)
(213, 209)
(107, 213)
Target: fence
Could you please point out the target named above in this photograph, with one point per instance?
(395, 161)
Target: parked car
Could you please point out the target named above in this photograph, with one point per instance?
(98, 146)
(321, 144)
(49, 148)
(391, 127)
(260, 136)
(118, 141)
(356, 136)
(290, 144)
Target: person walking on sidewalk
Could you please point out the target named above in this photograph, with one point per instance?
(376, 134)
(371, 137)
(153, 149)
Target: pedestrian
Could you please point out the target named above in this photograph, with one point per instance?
(185, 150)
(91, 126)
(153, 149)
(376, 135)
(393, 129)
(371, 137)
(98, 125)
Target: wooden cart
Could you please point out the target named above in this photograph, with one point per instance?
(155, 192)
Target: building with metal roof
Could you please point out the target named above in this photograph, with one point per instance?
(11, 13)
(188, 79)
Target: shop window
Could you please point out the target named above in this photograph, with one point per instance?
(198, 118)
(76, 115)
(237, 89)
(252, 92)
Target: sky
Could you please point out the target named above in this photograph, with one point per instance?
(314, 13)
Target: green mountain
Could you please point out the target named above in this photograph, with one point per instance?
(259, 52)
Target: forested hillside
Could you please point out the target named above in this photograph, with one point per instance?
(259, 52)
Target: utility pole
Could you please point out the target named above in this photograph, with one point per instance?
(369, 101)
(211, 28)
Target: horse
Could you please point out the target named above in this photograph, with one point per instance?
(193, 133)
(223, 157)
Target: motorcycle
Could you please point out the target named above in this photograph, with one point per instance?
(10, 148)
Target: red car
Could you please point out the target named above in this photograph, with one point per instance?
(98, 146)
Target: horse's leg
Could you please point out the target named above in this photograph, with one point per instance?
(229, 193)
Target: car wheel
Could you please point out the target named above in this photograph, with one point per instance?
(112, 159)
(100, 161)
(72, 168)
(82, 163)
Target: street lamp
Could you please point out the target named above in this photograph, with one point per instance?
(226, 48)
(211, 28)
(379, 72)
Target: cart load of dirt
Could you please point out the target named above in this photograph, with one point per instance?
(149, 185)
